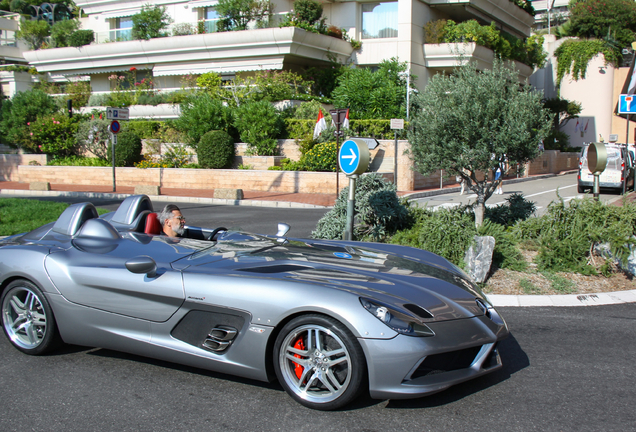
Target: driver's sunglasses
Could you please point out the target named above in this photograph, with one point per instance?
(181, 218)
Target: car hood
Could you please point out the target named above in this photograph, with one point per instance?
(395, 276)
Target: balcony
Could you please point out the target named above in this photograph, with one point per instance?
(447, 56)
(509, 17)
(221, 52)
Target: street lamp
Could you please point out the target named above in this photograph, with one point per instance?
(407, 74)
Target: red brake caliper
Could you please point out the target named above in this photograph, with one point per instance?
(298, 369)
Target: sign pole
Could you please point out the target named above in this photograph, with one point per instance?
(395, 158)
(396, 124)
(113, 138)
(351, 205)
(353, 159)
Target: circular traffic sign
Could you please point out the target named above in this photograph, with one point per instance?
(115, 127)
(353, 157)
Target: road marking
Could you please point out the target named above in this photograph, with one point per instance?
(549, 191)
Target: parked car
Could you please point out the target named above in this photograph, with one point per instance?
(328, 319)
(618, 174)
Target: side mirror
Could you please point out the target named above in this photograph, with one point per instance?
(283, 229)
(142, 265)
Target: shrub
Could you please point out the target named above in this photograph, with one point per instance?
(506, 253)
(98, 100)
(308, 110)
(78, 161)
(144, 129)
(81, 38)
(308, 11)
(202, 113)
(446, 232)
(183, 29)
(322, 157)
(93, 136)
(599, 19)
(378, 208)
(18, 112)
(34, 33)
(215, 150)
(150, 22)
(566, 234)
(148, 162)
(279, 85)
(259, 125)
(79, 92)
(516, 208)
(176, 156)
(127, 150)
(61, 32)
(53, 135)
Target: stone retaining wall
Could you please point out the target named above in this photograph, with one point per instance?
(253, 180)
(14, 167)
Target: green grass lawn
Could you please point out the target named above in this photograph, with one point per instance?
(19, 215)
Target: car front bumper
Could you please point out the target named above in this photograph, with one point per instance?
(406, 367)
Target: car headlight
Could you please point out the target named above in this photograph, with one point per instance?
(401, 322)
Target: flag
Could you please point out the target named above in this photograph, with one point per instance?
(345, 124)
(588, 122)
(576, 128)
(321, 125)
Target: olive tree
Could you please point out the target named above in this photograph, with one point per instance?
(471, 122)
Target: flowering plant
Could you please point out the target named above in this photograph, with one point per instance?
(52, 134)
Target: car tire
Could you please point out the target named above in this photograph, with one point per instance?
(27, 318)
(581, 189)
(319, 362)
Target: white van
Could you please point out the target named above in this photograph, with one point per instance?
(618, 172)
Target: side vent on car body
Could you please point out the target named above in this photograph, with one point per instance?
(219, 338)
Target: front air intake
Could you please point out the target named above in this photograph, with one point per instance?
(446, 362)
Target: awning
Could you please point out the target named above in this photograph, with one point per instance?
(220, 67)
(102, 70)
(121, 13)
(202, 3)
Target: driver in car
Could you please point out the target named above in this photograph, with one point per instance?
(172, 221)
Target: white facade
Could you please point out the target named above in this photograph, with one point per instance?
(398, 32)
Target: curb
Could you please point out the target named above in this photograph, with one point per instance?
(176, 199)
(565, 300)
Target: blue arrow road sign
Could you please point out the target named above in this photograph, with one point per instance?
(627, 104)
(349, 157)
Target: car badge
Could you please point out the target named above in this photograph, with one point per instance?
(342, 255)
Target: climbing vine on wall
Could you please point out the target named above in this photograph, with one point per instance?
(573, 56)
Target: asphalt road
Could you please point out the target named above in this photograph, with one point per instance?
(565, 369)
(262, 220)
(541, 191)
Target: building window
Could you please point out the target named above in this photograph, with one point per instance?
(210, 18)
(121, 29)
(379, 20)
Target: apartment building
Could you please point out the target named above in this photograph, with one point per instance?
(385, 30)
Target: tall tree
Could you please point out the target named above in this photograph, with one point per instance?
(604, 19)
(368, 94)
(471, 122)
(150, 22)
(237, 14)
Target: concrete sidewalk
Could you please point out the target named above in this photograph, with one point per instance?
(206, 196)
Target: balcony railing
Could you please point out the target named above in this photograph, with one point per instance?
(177, 29)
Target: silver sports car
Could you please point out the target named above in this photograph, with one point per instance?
(328, 319)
